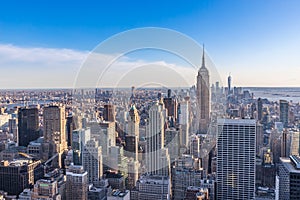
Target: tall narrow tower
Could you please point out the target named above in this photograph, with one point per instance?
(132, 137)
(229, 84)
(203, 97)
(157, 157)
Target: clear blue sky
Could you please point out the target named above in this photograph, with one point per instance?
(258, 41)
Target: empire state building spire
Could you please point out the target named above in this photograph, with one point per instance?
(203, 59)
(203, 97)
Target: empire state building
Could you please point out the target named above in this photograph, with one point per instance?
(203, 97)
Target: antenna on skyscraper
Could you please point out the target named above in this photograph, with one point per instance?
(203, 58)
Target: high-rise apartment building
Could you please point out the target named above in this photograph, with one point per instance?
(236, 159)
(203, 97)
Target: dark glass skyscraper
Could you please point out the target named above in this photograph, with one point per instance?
(259, 109)
(284, 112)
(28, 125)
(229, 84)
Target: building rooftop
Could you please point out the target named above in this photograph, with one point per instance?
(119, 193)
(236, 121)
(288, 164)
(113, 175)
(16, 162)
(296, 161)
(154, 179)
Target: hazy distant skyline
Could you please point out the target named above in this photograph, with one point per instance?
(43, 45)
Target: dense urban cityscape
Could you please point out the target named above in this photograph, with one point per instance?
(204, 142)
(150, 100)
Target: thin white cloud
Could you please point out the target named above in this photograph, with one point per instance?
(27, 67)
(9, 52)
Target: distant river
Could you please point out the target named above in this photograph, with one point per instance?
(29, 103)
(276, 93)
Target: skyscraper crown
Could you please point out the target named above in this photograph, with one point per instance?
(203, 68)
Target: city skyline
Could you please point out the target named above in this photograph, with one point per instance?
(150, 100)
(43, 43)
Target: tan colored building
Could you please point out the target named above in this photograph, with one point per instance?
(54, 133)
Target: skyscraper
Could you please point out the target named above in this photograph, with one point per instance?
(13, 128)
(229, 84)
(203, 97)
(259, 109)
(28, 125)
(284, 112)
(184, 121)
(107, 136)
(132, 137)
(195, 146)
(54, 133)
(171, 105)
(172, 142)
(289, 176)
(92, 160)
(236, 159)
(80, 138)
(54, 121)
(259, 137)
(70, 126)
(155, 150)
(285, 147)
(109, 113)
